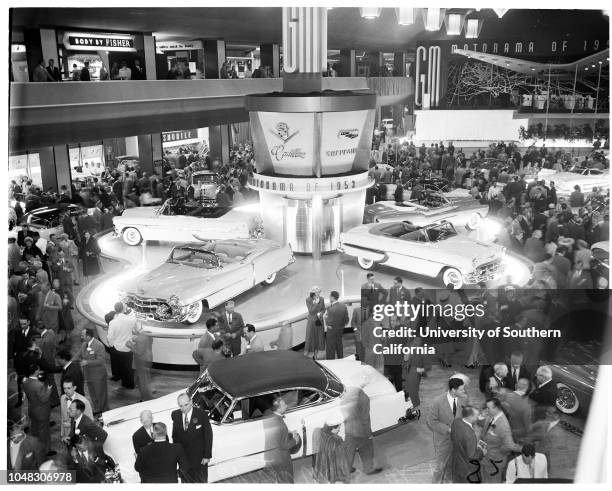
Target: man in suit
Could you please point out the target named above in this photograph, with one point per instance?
(232, 325)
(518, 409)
(398, 292)
(497, 382)
(87, 460)
(93, 364)
(47, 363)
(138, 72)
(145, 434)
(191, 428)
(545, 393)
(158, 461)
(254, 343)
(53, 71)
(358, 428)
(25, 353)
(280, 443)
(24, 451)
(141, 345)
(39, 407)
(528, 465)
(336, 317)
(443, 411)
(549, 438)
(68, 397)
(82, 425)
(466, 453)
(500, 444)
(516, 370)
(70, 369)
(372, 292)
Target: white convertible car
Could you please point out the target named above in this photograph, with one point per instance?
(183, 222)
(238, 392)
(586, 178)
(430, 206)
(198, 277)
(434, 250)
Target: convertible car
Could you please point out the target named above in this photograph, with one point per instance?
(430, 206)
(238, 394)
(584, 177)
(434, 250)
(177, 221)
(198, 277)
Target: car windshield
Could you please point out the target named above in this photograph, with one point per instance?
(178, 206)
(194, 258)
(431, 234)
(207, 396)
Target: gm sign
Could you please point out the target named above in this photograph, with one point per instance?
(427, 77)
(304, 39)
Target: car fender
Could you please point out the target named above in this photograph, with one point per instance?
(374, 255)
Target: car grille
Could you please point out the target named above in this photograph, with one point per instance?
(485, 272)
(148, 308)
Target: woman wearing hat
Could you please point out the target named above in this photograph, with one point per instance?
(330, 461)
(315, 333)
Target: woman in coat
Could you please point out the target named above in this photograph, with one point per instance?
(89, 252)
(315, 332)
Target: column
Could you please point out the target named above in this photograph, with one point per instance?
(158, 151)
(149, 57)
(131, 146)
(375, 59)
(399, 64)
(348, 63)
(34, 52)
(62, 166)
(214, 56)
(113, 147)
(270, 56)
(145, 153)
(48, 173)
(219, 142)
(48, 43)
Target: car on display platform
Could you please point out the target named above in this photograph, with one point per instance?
(238, 394)
(180, 221)
(205, 186)
(585, 177)
(198, 277)
(47, 220)
(428, 207)
(575, 387)
(435, 250)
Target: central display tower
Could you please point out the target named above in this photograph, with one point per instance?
(312, 146)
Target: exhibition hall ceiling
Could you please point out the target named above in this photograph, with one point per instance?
(346, 27)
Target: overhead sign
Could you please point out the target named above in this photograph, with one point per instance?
(93, 41)
(179, 136)
(340, 137)
(175, 45)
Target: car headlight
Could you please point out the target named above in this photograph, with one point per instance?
(174, 301)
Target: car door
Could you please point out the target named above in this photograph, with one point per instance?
(269, 262)
(413, 256)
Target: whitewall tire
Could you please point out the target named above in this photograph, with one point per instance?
(366, 263)
(131, 236)
(270, 279)
(567, 400)
(474, 222)
(453, 277)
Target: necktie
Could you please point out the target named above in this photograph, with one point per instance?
(515, 376)
(455, 407)
(186, 423)
(487, 426)
(229, 318)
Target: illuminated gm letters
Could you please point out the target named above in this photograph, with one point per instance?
(304, 39)
(427, 77)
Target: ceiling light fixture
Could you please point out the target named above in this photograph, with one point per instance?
(433, 18)
(454, 24)
(405, 17)
(500, 12)
(370, 12)
(472, 28)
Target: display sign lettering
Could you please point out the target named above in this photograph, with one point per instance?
(322, 185)
(106, 42)
(304, 39)
(174, 45)
(174, 136)
(339, 142)
(427, 76)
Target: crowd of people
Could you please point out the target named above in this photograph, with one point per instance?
(554, 231)
(118, 71)
(58, 365)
